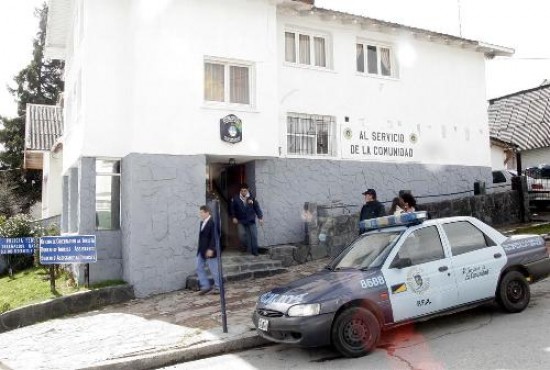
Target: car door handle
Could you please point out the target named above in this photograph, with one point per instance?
(443, 268)
(497, 255)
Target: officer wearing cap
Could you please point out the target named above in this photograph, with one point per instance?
(372, 208)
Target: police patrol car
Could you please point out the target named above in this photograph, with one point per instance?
(406, 268)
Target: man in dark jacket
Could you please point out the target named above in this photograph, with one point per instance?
(372, 208)
(244, 209)
(206, 253)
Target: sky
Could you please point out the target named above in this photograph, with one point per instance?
(519, 24)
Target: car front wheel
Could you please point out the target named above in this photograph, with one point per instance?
(355, 332)
(513, 292)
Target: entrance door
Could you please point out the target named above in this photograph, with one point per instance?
(226, 183)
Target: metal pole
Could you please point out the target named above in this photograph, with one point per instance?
(52, 278)
(87, 275)
(217, 228)
(10, 270)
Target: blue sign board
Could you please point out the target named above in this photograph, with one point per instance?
(67, 249)
(17, 245)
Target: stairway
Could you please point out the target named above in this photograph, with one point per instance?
(240, 266)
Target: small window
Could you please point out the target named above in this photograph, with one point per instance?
(421, 246)
(107, 194)
(310, 134)
(226, 82)
(465, 237)
(306, 49)
(378, 60)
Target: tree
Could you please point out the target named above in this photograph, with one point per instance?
(39, 83)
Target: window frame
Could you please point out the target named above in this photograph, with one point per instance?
(488, 241)
(365, 43)
(312, 34)
(109, 174)
(227, 64)
(331, 136)
(396, 257)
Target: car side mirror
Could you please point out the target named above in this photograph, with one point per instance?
(401, 263)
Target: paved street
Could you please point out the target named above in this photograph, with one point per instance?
(484, 338)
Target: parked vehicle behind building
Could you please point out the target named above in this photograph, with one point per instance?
(538, 185)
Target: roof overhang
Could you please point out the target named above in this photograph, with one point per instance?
(299, 8)
(58, 28)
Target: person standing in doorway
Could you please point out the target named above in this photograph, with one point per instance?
(371, 209)
(244, 209)
(206, 253)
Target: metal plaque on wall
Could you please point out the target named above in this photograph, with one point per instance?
(231, 129)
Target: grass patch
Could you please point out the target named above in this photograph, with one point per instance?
(33, 286)
(537, 229)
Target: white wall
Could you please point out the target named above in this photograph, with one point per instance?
(141, 79)
(498, 156)
(438, 85)
(52, 184)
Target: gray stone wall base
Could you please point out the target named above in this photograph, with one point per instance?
(161, 196)
(284, 185)
(71, 304)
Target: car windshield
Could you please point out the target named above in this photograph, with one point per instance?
(368, 251)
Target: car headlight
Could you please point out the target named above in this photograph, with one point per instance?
(304, 310)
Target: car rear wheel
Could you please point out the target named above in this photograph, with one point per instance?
(355, 332)
(513, 292)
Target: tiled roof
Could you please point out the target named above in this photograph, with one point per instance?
(522, 118)
(43, 126)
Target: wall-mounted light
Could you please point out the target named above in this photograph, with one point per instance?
(232, 161)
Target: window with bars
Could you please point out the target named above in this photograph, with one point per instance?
(306, 49)
(310, 134)
(375, 60)
(226, 82)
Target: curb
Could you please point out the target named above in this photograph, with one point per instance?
(70, 304)
(172, 357)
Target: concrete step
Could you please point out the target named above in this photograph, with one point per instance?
(242, 267)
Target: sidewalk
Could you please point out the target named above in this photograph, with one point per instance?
(146, 333)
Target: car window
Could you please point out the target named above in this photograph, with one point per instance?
(366, 251)
(465, 237)
(498, 177)
(422, 246)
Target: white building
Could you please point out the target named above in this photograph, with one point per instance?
(328, 103)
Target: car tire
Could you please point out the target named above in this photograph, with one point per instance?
(514, 292)
(355, 332)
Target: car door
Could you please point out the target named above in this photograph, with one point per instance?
(477, 260)
(419, 275)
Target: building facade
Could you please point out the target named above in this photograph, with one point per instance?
(170, 101)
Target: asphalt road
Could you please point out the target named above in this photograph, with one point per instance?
(483, 338)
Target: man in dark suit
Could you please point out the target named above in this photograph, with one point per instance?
(243, 210)
(206, 253)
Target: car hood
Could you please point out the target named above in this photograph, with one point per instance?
(322, 286)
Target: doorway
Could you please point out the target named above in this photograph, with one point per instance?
(224, 183)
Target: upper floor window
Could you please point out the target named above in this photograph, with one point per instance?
(310, 134)
(227, 82)
(306, 48)
(375, 60)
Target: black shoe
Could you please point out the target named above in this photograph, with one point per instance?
(214, 291)
(204, 291)
(255, 254)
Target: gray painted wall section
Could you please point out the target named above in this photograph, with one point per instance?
(161, 195)
(284, 185)
(65, 205)
(73, 200)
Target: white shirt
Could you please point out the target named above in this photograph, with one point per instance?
(204, 222)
